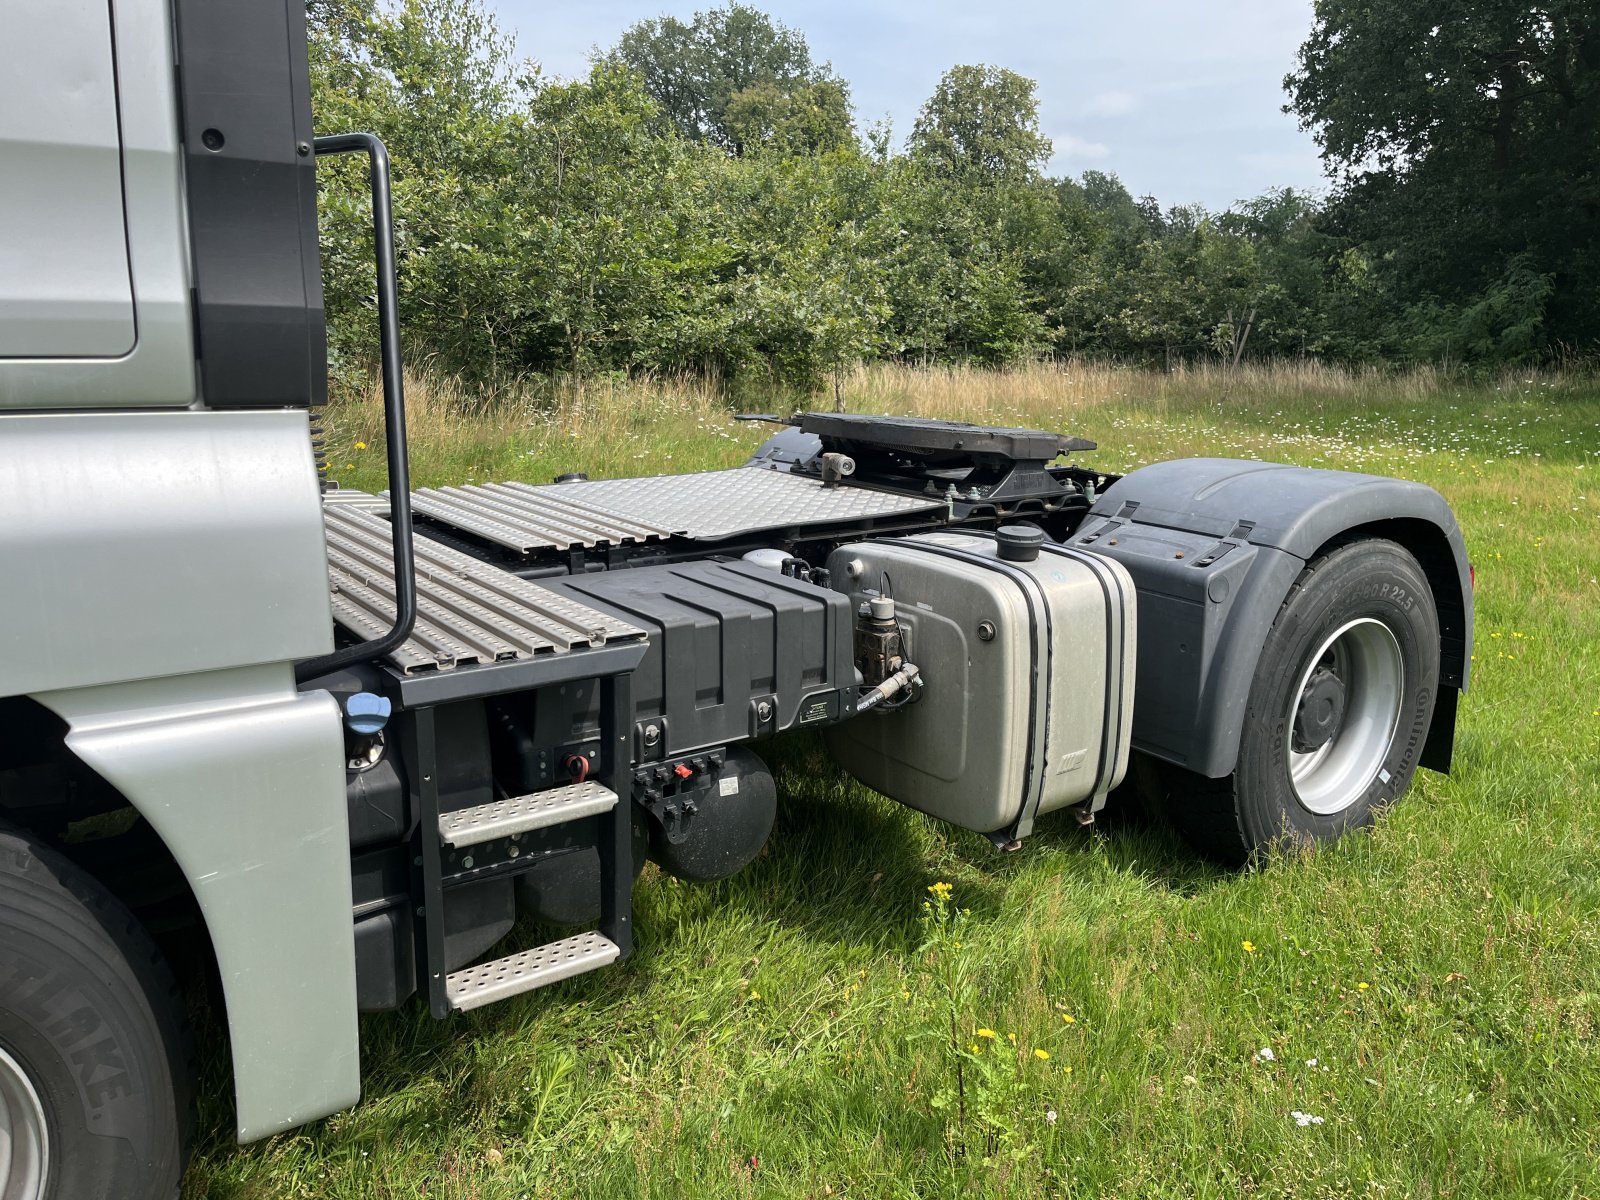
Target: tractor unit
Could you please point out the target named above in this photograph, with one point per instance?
(363, 737)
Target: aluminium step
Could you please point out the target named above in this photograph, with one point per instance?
(519, 814)
(473, 987)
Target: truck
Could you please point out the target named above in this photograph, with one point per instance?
(359, 739)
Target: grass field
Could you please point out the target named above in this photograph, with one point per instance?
(1414, 1012)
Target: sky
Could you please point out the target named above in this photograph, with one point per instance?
(1180, 98)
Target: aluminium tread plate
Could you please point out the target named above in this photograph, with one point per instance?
(527, 518)
(704, 506)
(520, 814)
(468, 611)
(472, 987)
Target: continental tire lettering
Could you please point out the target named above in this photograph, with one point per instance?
(1418, 731)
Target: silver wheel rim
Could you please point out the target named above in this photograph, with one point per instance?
(24, 1142)
(1365, 656)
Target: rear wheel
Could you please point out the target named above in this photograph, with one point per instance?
(95, 1069)
(1338, 710)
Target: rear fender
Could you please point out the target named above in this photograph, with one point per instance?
(1214, 546)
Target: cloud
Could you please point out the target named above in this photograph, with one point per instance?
(1070, 145)
(1112, 104)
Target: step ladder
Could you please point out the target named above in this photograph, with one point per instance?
(444, 860)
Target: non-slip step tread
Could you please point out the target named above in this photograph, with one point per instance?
(519, 814)
(526, 970)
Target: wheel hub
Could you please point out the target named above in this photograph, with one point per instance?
(1321, 711)
(24, 1142)
(1344, 715)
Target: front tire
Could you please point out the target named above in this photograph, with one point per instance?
(95, 1072)
(1337, 714)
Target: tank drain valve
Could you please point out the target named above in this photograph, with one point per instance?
(904, 678)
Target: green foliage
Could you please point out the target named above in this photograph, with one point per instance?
(982, 121)
(812, 119)
(700, 202)
(1467, 140)
(708, 73)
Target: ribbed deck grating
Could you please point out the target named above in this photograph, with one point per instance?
(519, 814)
(705, 506)
(472, 987)
(468, 611)
(527, 518)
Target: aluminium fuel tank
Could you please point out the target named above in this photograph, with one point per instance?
(1027, 670)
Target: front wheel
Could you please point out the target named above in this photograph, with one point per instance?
(1338, 709)
(95, 1069)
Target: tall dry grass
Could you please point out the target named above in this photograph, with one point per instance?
(631, 425)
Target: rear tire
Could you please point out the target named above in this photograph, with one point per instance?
(96, 1067)
(1337, 715)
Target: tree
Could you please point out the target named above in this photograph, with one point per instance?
(982, 121)
(1466, 140)
(438, 82)
(814, 119)
(713, 75)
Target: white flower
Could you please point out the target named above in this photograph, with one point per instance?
(1265, 1054)
(1050, 1115)
(1311, 1062)
(1303, 1119)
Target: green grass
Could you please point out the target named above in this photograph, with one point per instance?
(1443, 969)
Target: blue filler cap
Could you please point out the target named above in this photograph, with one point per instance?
(366, 713)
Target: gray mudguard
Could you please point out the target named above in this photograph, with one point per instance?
(1214, 545)
(243, 779)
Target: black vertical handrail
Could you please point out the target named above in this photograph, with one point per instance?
(394, 410)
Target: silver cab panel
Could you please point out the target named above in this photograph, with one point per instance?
(139, 545)
(94, 279)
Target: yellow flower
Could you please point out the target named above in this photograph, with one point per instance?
(1069, 1019)
(1012, 1038)
(973, 1048)
(1041, 1055)
(755, 995)
(986, 1033)
(1068, 1070)
(1249, 946)
(1362, 986)
(942, 890)
(361, 445)
(905, 995)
